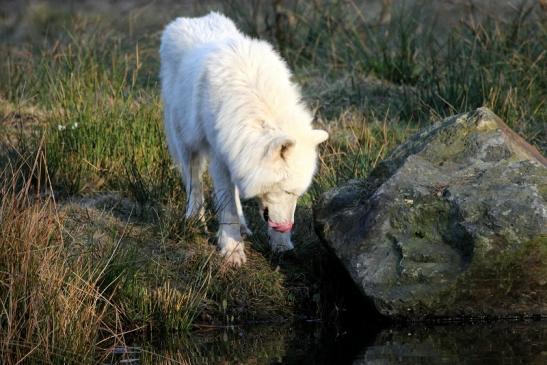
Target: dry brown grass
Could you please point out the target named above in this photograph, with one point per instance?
(51, 305)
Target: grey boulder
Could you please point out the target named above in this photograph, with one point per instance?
(451, 224)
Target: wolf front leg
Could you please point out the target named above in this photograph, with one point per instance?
(229, 234)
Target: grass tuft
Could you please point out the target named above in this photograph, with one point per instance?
(52, 304)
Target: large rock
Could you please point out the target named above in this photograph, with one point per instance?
(452, 223)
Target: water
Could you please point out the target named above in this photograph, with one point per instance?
(480, 343)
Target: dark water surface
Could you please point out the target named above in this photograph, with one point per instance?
(481, 343)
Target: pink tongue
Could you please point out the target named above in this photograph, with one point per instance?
(281, 227)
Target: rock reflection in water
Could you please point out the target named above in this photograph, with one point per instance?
(493, 343)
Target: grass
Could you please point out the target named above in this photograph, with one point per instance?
(52, 303)
(94, 246)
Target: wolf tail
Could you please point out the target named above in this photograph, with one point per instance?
(183, 34)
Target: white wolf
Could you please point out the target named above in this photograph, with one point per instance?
(228, 99)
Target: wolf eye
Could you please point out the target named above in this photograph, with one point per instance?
(265, 215)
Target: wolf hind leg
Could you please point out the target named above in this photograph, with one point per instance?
(242, 221)
(194, 164)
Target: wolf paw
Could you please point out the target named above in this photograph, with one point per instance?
(245, 231)
(234, 255)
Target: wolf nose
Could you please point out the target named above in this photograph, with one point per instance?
(281, 227)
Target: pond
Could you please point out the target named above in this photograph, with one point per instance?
(507, 342)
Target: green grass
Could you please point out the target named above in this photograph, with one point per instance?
(94, 247)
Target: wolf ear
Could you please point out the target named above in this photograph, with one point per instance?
(319, 136)
(279, 147)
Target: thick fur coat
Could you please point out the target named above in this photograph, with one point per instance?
(229, 102)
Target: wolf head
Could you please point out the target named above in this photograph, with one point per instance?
(264, 131)
(293, 163)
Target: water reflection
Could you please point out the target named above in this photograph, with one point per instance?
(494, 343)
(485, 343)
(257, 344)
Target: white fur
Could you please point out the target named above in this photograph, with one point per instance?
(229, 100)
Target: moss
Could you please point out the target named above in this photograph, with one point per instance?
(501, 283)
(431, 219)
